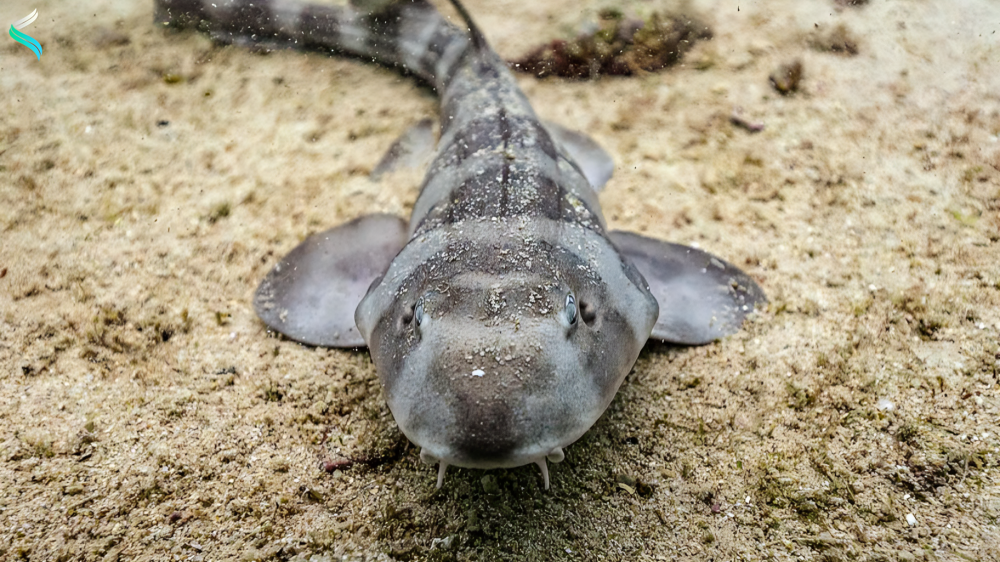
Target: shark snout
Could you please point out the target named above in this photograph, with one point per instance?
(511, 407)
(497, 433)
(479, 390)
(486, 424)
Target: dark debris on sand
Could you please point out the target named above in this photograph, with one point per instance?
(619, 46)
(838, 39)
(787, 77)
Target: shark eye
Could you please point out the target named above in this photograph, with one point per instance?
(569, 311)
(418, 312)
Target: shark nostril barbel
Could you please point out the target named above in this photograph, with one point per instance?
(545, 471)
(442, 468)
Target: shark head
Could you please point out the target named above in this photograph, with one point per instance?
(498, 350)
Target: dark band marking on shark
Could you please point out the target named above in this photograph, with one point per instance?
(504, 317)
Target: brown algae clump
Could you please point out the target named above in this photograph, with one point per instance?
(619, 46)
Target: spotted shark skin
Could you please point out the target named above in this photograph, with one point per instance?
(504, 316)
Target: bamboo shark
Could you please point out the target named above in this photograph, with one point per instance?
(504, 316)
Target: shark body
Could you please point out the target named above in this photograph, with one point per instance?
(504, 316)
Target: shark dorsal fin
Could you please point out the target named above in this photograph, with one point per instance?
(478, 39)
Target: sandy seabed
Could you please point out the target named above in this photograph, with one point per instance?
(148, 180)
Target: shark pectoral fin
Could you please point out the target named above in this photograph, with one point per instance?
(595, 163)
(311, 294)
(702, 298)
(413, 149)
